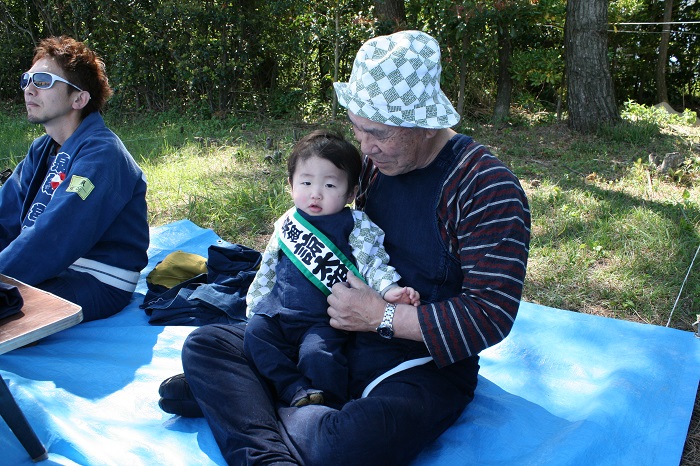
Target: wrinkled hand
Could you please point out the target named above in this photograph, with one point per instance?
(354, 306)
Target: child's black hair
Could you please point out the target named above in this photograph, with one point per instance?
(331, 146)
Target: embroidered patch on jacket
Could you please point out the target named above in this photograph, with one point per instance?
(57, 180)
(80, 185)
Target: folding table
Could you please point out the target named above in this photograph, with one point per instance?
(42, 314)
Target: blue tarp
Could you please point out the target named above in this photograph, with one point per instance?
(563, 389)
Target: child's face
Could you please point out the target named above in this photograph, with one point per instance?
(319, 187)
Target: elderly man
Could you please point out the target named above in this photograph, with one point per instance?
(73, 217)
(457, 229)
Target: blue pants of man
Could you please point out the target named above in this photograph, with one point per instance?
(402, 415)
(98, 300)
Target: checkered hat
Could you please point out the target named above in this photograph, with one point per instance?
(395, 80)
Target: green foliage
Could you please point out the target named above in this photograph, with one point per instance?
(640, 132)
(204, 58)
(252, 58)
(634, 50)
(538, 67)
(657, 115)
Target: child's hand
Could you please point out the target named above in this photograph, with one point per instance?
(403, 295)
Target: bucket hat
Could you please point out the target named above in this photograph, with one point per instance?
(395, 80)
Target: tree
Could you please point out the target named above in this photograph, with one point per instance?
(661, 90)
(280, 57)
(501, 109)
(510, 18)
(391, 16)
(591, 98)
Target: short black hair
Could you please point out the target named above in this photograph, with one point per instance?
(331, 146)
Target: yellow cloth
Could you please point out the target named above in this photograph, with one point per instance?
(176, 268)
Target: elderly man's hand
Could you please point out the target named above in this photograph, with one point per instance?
(354, 306)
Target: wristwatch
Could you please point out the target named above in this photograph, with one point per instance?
(386, 328)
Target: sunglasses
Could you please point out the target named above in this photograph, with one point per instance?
(42, 80)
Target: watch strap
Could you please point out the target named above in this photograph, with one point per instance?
(389, 311)
(386, 327)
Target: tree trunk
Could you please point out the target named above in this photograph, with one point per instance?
(336, 59)
(505, 83)
(661, 90)
(590, 97)
(391, 16)
(462, 74)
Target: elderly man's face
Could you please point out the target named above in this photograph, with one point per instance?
(393, 150)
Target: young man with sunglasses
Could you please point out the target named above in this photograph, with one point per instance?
(73, 217)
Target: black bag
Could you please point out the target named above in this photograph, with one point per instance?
(11, 301)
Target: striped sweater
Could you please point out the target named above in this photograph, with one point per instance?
(484, 219)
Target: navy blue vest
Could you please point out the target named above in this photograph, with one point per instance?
(405, 206)
(293, 293)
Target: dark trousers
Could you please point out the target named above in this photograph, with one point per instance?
(392, 425)
(98, 300)
(294, 355)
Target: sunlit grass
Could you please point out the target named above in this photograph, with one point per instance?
(230, 189)
(16, 134)
(610, 234)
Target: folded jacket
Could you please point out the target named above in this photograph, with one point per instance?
(217, 296)
(11, 301)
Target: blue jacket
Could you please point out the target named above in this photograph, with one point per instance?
(92, 218)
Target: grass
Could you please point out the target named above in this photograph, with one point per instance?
(15, 136)
(221, 177)
(612, 235)
(223, 188)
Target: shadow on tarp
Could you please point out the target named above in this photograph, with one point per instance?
(95, 359)
(89, 360)
(570, 388)
(500, 428)
(99, 403)
(199, 428)
(93, 383)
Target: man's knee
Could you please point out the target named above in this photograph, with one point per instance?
(194, 341)
(209, 339)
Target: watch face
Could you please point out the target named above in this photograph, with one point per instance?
(385, 331)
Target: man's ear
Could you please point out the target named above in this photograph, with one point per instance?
(430, 133)
(81, 100)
